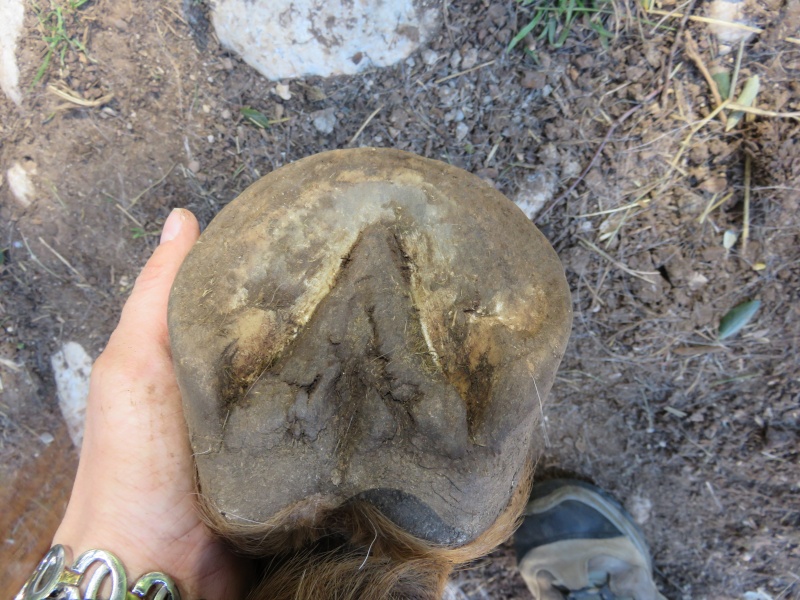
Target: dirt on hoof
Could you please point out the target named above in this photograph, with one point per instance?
(369, 324)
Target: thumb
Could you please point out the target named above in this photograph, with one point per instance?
(144, 317)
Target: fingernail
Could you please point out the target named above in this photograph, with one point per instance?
(173, 225)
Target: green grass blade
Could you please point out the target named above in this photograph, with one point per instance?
(746, 98)
(257, 118)
(736, 318)
(43, 67)
(526, 30)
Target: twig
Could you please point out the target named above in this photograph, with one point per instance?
(176, 15)
(129, 215)
(638, 203)
(714, 496)
(365, 123)
(712, 206)
(664, 13)
(748, 170)
(616, 263)
(147, 189)
(561, 197)
(10, 364)
(694, 54)
(703, 122)
(454, 75)
(64, 95)
(763, 113)
(37, 261)
(63, 260)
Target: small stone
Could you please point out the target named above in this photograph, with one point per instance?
(211, 139)
(535, 191)
(714, 185)
(470, 58)
(584, 61)
(282, 91)
(534, 80)
(640, 508)
(336, 477)
(462, 130)
(325, 120)
(697, 280)
(455, 59)
(194, 166)
(728, 11)
(226, 114)
(430, 57)
(206, 108)
(19, 180)
(72, 368)
(279, 110)
(227, 63)
(46, 438)
(729, 239)
(315, 93)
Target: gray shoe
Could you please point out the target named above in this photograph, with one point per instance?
(577, 543)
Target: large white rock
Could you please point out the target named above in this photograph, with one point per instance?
(12, 13)
(293, 38)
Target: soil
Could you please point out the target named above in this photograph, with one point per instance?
(698, 438)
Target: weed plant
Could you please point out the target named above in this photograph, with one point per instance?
(53, 24)
(553, 20)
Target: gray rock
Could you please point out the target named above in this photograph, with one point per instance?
(535, 191)
(325, 120)
(294, 38)
(72, 368)
(429, 57)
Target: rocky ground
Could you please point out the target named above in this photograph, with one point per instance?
(664, 221)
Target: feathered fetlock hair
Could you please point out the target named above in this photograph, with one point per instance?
(352, 552)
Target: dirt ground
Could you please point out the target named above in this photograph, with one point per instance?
(698, 438)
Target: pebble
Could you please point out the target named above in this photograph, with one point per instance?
(535, 191)
(194, 166)
(325, 120)
(470, 58)
(226, 114)
(430, 57)
(282, 91)
(462, 130)
(455, 59)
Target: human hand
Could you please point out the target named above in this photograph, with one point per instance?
(134, 493)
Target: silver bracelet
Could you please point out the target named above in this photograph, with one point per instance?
(54, 580)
